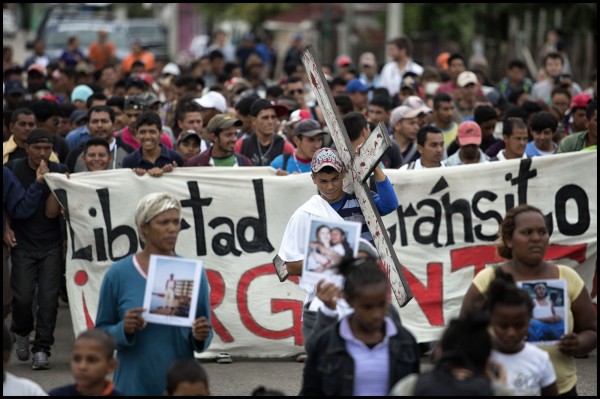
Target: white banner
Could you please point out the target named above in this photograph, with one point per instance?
(233, 219)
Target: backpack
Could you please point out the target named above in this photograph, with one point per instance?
(286, 158)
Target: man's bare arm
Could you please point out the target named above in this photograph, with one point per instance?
(294, 268)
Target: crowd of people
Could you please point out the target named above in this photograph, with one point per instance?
(88, 112)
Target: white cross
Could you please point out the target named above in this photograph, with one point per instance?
(359, 167)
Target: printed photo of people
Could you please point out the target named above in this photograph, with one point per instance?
(328, 243)
(171, 288)
(549, 320)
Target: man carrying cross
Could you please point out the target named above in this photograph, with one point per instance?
(327, 171)
(351, 168)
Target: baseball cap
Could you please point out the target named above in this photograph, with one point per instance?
(469, 132)
(149, 98)
(261, 104)
(38, 68)
(343, 61)
(188, 133)
(222, 121)
(212, 99)
(417, 103)
(367, 58)
(356, 85)
(135, 102)
(308, 128)
(146, 77)
(326, 157)
(171, 69)
(298, 115)
(403, 112)
(14, 86)
(40, 135)
(81, 93)
(410, 83)
(465, 78)
(77, 116)
(580, 100)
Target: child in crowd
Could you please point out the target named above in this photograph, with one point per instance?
(366, 352)
(462, 365)
(187, 377)
(529, 370)
(92, 361)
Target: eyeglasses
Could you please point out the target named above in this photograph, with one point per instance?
(298, 91)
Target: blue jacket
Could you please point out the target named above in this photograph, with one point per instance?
(18, 203)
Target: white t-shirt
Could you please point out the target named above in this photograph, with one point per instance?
(17, 386)
(419, 165)
(293, 244)
(528, 371)
(391, 76)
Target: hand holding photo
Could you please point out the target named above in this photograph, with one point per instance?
(328, 243)
(172, 290)
(549, 320)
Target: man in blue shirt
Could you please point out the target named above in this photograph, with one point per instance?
(151, 156)
(308, 138)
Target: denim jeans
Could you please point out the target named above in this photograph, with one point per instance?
(31, 270)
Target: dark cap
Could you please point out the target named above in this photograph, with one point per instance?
(14, 86)
(77, 116)
(40, 136)
(221, 122)
(136, 102)
(262, 104)
(308, 128)
(183, 136)
(149, 98)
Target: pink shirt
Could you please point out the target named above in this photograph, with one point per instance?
(128, 139)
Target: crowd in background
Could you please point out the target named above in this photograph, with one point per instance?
(89, 111)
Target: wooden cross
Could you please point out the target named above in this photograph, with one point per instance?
(359, 166)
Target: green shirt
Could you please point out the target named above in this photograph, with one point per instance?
(229, 161)
(573, 142)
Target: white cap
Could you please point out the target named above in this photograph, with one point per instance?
(172, 69)
(212, 99)
(465, 78)
(402, 112)
(417, 103)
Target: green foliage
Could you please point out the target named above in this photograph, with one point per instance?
(459, 22)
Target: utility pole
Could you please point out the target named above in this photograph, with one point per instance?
(395, 22)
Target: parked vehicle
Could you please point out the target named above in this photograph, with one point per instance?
(57, 13)
(55, 36)
(151, 34)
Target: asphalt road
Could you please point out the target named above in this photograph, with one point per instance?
(239, 378)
